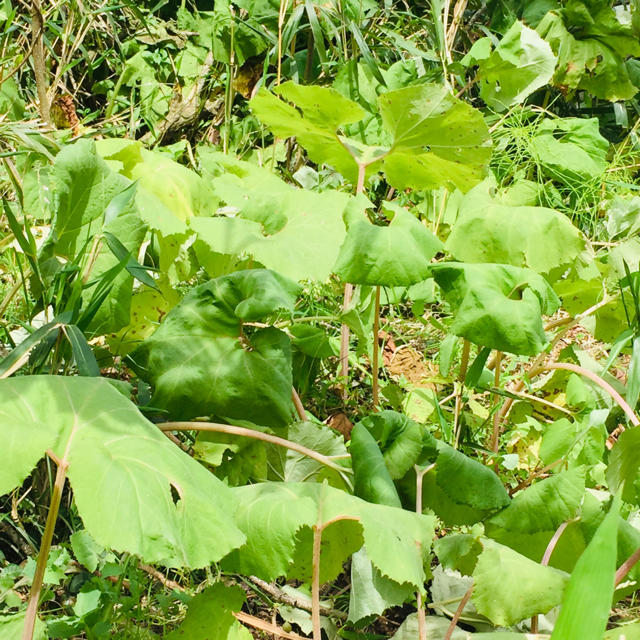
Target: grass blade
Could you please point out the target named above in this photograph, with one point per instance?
(587, 600)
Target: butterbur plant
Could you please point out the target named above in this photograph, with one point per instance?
(345, 361)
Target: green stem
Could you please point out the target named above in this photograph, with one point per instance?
(376, 349)
(43, 554)
(39, 69)
(315, 582)
(422, 619)
(348, 292)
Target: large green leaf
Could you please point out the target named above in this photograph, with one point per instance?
(324, 111)
(430, 138)
(134, 490)
(521, 63)
(265, 218)
(545, 505)
(571, 148)
(396, 255)
(437, 140)
(592, 46)
(210, 615)
(459, 489)
(587, 601)
(372, 480)
(509, 587)
(486, 230)
(319, 438)
(371, 593)
(496, 305)
(200, 362)
(467, 481)
(85, 186)
(395, 539)
(11, 627)
(168, 193)
(400, 440)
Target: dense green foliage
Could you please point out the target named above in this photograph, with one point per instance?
(320, 319)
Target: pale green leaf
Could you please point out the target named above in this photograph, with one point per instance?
(210, 615)
(371, 593)
(319, 137)
(437, 140)
(11, 627)
(509, 587)
(571, 148)
(134, 490)
(396, 549)
(487, 230)
(398, 254)
(267, 218)
(497, 306)
(521, 63)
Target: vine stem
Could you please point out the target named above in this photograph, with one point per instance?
(566, 324)
(256, 435)
(45, 547)
(626, 566)
(318, 528)
(462, 374)
(297, 403)
(495, 436)
(458, 613)
(594, 377)
(546, 557)
(376, 349)
(344, 342)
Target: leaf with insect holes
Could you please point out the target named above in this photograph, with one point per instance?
(430, 138)
(521, 63)
(437, 140)
(497, 305)
(592, 45)
(200, 362)
(135, 491)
